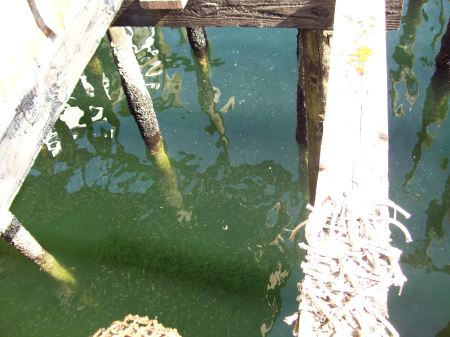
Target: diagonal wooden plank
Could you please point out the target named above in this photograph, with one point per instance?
(354, 150)
(341, 294)
(53, 69)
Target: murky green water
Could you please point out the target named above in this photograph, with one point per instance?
(222, 265)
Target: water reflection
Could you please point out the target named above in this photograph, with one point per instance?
(404, 57)
(435, 111)
(436, 212)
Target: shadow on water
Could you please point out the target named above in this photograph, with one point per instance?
(208, 95)
(404, 54)
(217, 269)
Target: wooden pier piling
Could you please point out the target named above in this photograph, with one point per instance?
(349, 223)
(39, 72)
(141, 107)
(138, 98)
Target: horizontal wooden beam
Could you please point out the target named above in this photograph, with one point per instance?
(317, 14)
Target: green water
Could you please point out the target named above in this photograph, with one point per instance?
(221, 265)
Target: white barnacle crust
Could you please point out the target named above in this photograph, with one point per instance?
(349, 266)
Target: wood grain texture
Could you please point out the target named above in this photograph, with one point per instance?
(53, 82)
(314, 58)
(354, 153)
(163, 4)
(306, 14)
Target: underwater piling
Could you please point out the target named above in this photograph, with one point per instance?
(342, 294)
(138, 98)
(141, 107)
(14, 233)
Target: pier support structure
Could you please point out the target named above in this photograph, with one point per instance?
(350, 263)
(141, 107)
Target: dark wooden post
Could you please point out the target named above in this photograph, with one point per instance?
(314, 53)
(141, 107)
(443, 58)
(13, 232)
(199, 44)
(139, 100)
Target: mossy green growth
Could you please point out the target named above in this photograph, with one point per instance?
(169, 179)
(50, 265)
(95, 66)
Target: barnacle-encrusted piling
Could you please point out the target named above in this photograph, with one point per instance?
(141, 107)
(199, 44)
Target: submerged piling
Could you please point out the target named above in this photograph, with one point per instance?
(14, 233)
(314, 54)
(141, 107)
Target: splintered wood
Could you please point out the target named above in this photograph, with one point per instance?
(349, 266)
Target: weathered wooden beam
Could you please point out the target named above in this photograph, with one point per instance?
(306, 14)
(354, 152)
(353, 165)
(163, 4)
(32, 99)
